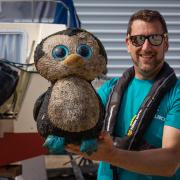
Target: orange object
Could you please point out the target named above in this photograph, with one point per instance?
(20, 146)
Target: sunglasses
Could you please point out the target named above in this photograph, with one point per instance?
(154, 39)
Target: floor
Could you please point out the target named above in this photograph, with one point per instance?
(71, 177)
(62, 168)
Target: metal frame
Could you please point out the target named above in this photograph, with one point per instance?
(54, 1)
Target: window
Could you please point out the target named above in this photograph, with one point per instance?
(13, 45)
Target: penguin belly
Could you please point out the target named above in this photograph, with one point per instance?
(73, 105)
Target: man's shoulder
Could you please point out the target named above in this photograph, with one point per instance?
(105, 89)
(178, 83)
(110, 83)
(176, 87)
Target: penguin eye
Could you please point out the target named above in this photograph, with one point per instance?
(60, 52)
(84, 51)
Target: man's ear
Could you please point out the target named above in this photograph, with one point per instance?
(166, 44)
(127, 41)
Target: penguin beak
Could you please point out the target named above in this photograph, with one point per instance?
(74, 60)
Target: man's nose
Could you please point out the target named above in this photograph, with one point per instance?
(146, 45)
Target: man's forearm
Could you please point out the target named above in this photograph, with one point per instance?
(162, 162)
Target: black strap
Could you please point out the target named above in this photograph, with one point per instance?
(164, 81)
(114, 100)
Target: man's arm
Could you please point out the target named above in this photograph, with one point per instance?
(163, 161)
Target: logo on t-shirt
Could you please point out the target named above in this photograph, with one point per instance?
(159, 116)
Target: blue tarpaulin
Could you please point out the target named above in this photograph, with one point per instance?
(66, 14)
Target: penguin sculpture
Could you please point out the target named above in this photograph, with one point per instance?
(70, 110)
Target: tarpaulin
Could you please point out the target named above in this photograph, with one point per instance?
(66, 14)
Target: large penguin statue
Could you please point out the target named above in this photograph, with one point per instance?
(70, 110)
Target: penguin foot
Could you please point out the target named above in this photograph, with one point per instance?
(55, 144)
(89, 146)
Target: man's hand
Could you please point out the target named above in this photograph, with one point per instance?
(105, 148)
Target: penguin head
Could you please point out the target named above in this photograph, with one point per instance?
(71, 52)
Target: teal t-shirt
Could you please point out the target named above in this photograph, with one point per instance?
(168, 113)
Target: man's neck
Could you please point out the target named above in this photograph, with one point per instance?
(148, 75)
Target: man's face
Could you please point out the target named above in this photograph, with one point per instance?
(147, 58)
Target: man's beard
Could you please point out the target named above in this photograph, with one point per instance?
(148, 70)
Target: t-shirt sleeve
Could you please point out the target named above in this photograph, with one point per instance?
(173, 116)
(104, 90)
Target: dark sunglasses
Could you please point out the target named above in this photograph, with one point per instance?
(154, 39)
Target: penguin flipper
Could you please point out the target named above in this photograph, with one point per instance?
(55, 144)
(37, 105)
(89, 146)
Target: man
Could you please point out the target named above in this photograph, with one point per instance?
(147, 43)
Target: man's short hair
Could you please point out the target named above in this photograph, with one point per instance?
(147, 16)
